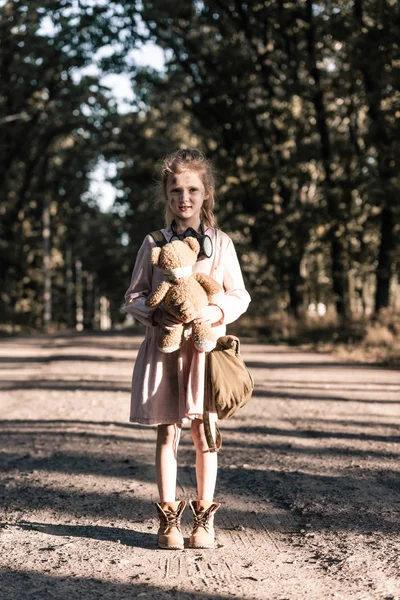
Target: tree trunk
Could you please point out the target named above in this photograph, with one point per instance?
(69, 291)
(385, 260)
(47, 316)
(386, 166)
(89, 316)
(340, 279)
(78, 296)
(340, 284)
(295, 283)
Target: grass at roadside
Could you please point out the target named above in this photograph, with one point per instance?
(374, 340)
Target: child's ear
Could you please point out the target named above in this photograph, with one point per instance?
(192, 243)
(155, 255)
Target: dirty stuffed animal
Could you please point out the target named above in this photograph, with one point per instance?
(184, 294)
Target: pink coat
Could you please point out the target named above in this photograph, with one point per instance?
(168, 388)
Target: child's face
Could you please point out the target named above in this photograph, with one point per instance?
(185, 196)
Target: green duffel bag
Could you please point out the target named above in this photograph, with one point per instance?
(228, 385)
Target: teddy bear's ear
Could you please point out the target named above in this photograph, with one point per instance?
(155, 255)
(193, 244)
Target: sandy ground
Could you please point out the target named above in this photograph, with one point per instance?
(309, 480)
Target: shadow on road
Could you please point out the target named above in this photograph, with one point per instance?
(62, 358)
(302, 395)
(257, 446)
(126, 537)
(29, 584)
(285, 364)
(84, 385)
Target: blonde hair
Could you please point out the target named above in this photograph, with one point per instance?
(190, 160)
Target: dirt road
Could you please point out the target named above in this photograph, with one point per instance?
(309, 480)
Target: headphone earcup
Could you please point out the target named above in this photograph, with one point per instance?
(206, 246)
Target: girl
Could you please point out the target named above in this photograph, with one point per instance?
(167, 389)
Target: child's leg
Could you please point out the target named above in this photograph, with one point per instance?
(206, 462)
(166, 460)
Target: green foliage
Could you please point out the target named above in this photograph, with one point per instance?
(55, 123)
(296, 103)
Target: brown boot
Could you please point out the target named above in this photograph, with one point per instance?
(203, 524)
(169, 532)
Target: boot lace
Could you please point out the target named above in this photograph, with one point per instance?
(201, 519)
(171, 519)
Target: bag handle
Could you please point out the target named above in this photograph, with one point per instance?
(212, 446)
(228, 341)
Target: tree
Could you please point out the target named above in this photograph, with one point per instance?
(55, 123)
(273, 92)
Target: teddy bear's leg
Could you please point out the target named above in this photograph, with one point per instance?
(204, 337)
(170, 339)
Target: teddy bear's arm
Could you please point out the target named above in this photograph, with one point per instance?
(157, 297)
(209, 284)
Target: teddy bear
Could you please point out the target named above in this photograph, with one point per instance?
(183, 293)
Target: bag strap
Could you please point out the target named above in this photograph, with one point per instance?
(212, 446)
(159, 238)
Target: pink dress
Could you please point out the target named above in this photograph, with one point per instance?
(168, 388)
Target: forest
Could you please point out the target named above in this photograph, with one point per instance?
(296, 103)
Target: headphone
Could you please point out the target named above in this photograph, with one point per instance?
(206, 246)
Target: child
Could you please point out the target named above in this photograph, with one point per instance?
(167, 389)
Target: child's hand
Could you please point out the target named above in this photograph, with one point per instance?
(165, 319)
(209, 315)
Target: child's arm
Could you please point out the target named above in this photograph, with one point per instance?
(141, 285)
(236, 299)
